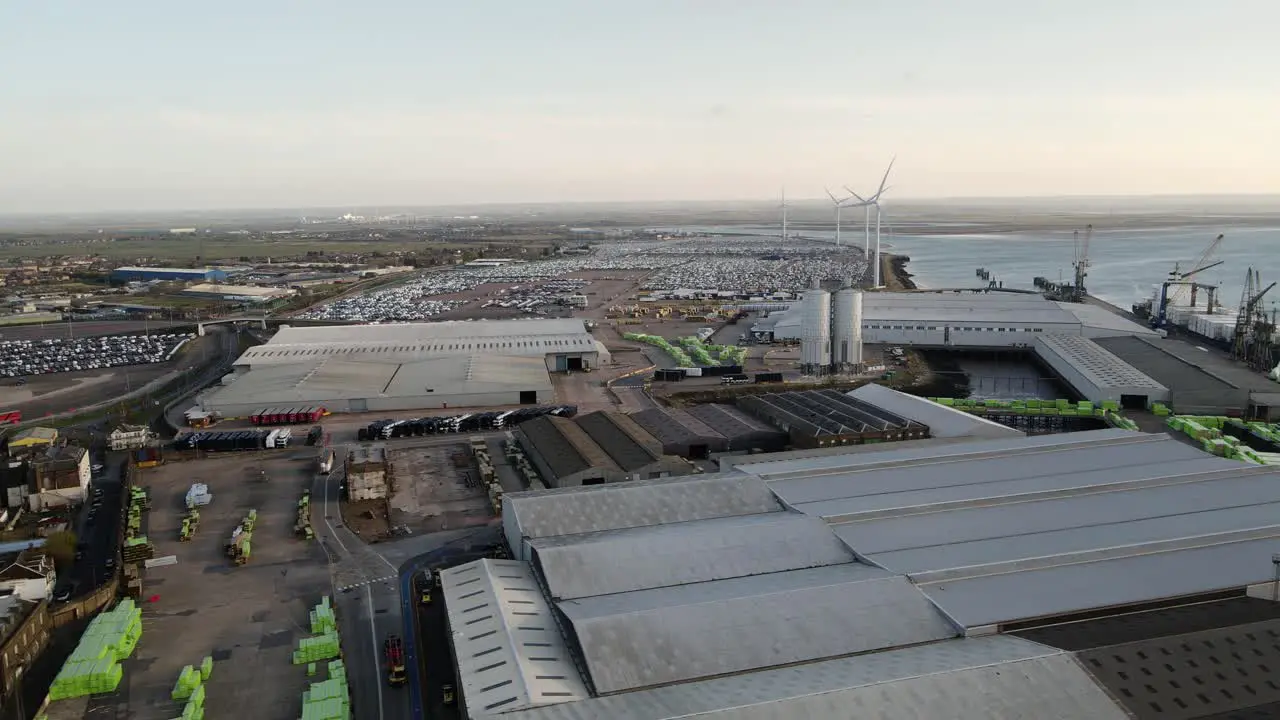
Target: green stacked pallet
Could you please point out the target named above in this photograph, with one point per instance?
(188, 682)
(206, 668)
(322, 618)
(194, 709)
(318, 647)
(94, 666)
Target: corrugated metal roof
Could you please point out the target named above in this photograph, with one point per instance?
(1045, 531)
(338, 377)
(732, 423)
(888, 456)
(1098, 365)
(943, 422)
(972, 471)
(675, 426)
(638, 503)
(426, 331)
(1076, 587)
(616, 561)
(619, 439)
(1194, 675)
(564, 446)
(1165, 368)
(652, 637)
(994, 677)
(509, 649)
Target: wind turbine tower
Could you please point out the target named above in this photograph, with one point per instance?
(784, 214)
(874, 201)
(840, 204)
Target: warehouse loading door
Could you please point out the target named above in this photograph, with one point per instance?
(358, 404)
(574, 363)
(528, 397)
(1133, 402)
(562, 363)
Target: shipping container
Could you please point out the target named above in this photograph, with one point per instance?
(10, 417)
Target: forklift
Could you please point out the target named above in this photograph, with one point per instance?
(393, 653)
(425, 585)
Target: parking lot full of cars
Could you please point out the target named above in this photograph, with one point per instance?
(20, 358)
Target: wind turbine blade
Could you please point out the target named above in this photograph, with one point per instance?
(860, 198)
(833, 197)
(885, 179)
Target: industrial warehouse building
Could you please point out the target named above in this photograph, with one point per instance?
(705, 431)
(826, 418)
(963, 320)
(598, 447)
(1104, 575)
(359, 368)
(1097, 374)
(147, 274)
(238, 293)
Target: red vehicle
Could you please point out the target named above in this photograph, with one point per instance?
(393, 654)
(10, 417)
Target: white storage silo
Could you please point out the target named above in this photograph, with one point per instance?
(815, 331)
(846, 330)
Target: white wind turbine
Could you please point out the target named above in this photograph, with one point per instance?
(868, 203)
(840, 204)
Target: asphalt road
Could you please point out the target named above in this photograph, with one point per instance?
(430, 654)
(375, 597)
(366, 594)
(97, 535)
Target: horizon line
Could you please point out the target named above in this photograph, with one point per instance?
(552, 203)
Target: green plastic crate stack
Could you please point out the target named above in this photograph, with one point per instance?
(94, 666)
(328, 700)
(206, 667)
(188, 682)
(194, 709)
(318, 647)
(322, 618)
(138, 549)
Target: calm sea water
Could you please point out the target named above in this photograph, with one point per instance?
(1124, 264)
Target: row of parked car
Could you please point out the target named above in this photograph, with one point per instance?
(469, 422)
(20, 358)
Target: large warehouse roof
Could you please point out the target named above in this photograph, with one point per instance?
(510, 653)
(1049, 526)
(632, 504)
(943, 422)
(335, 378)
(884, 310)
(680, 633)
(994, 677)
(658, 556)
(533, 338)
(1098, 365)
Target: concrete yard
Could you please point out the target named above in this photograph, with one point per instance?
(249, 618)
(430, 493)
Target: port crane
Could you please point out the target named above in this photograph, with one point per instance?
(1179, 281)
(1254, 330)
(1181, 284)
(1198, 266)
(1081, 264)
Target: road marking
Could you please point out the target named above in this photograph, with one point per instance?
(373, 641)
(362, 583)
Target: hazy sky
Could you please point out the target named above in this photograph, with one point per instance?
(134, 104)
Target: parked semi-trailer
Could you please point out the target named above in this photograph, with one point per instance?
(326, 462)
